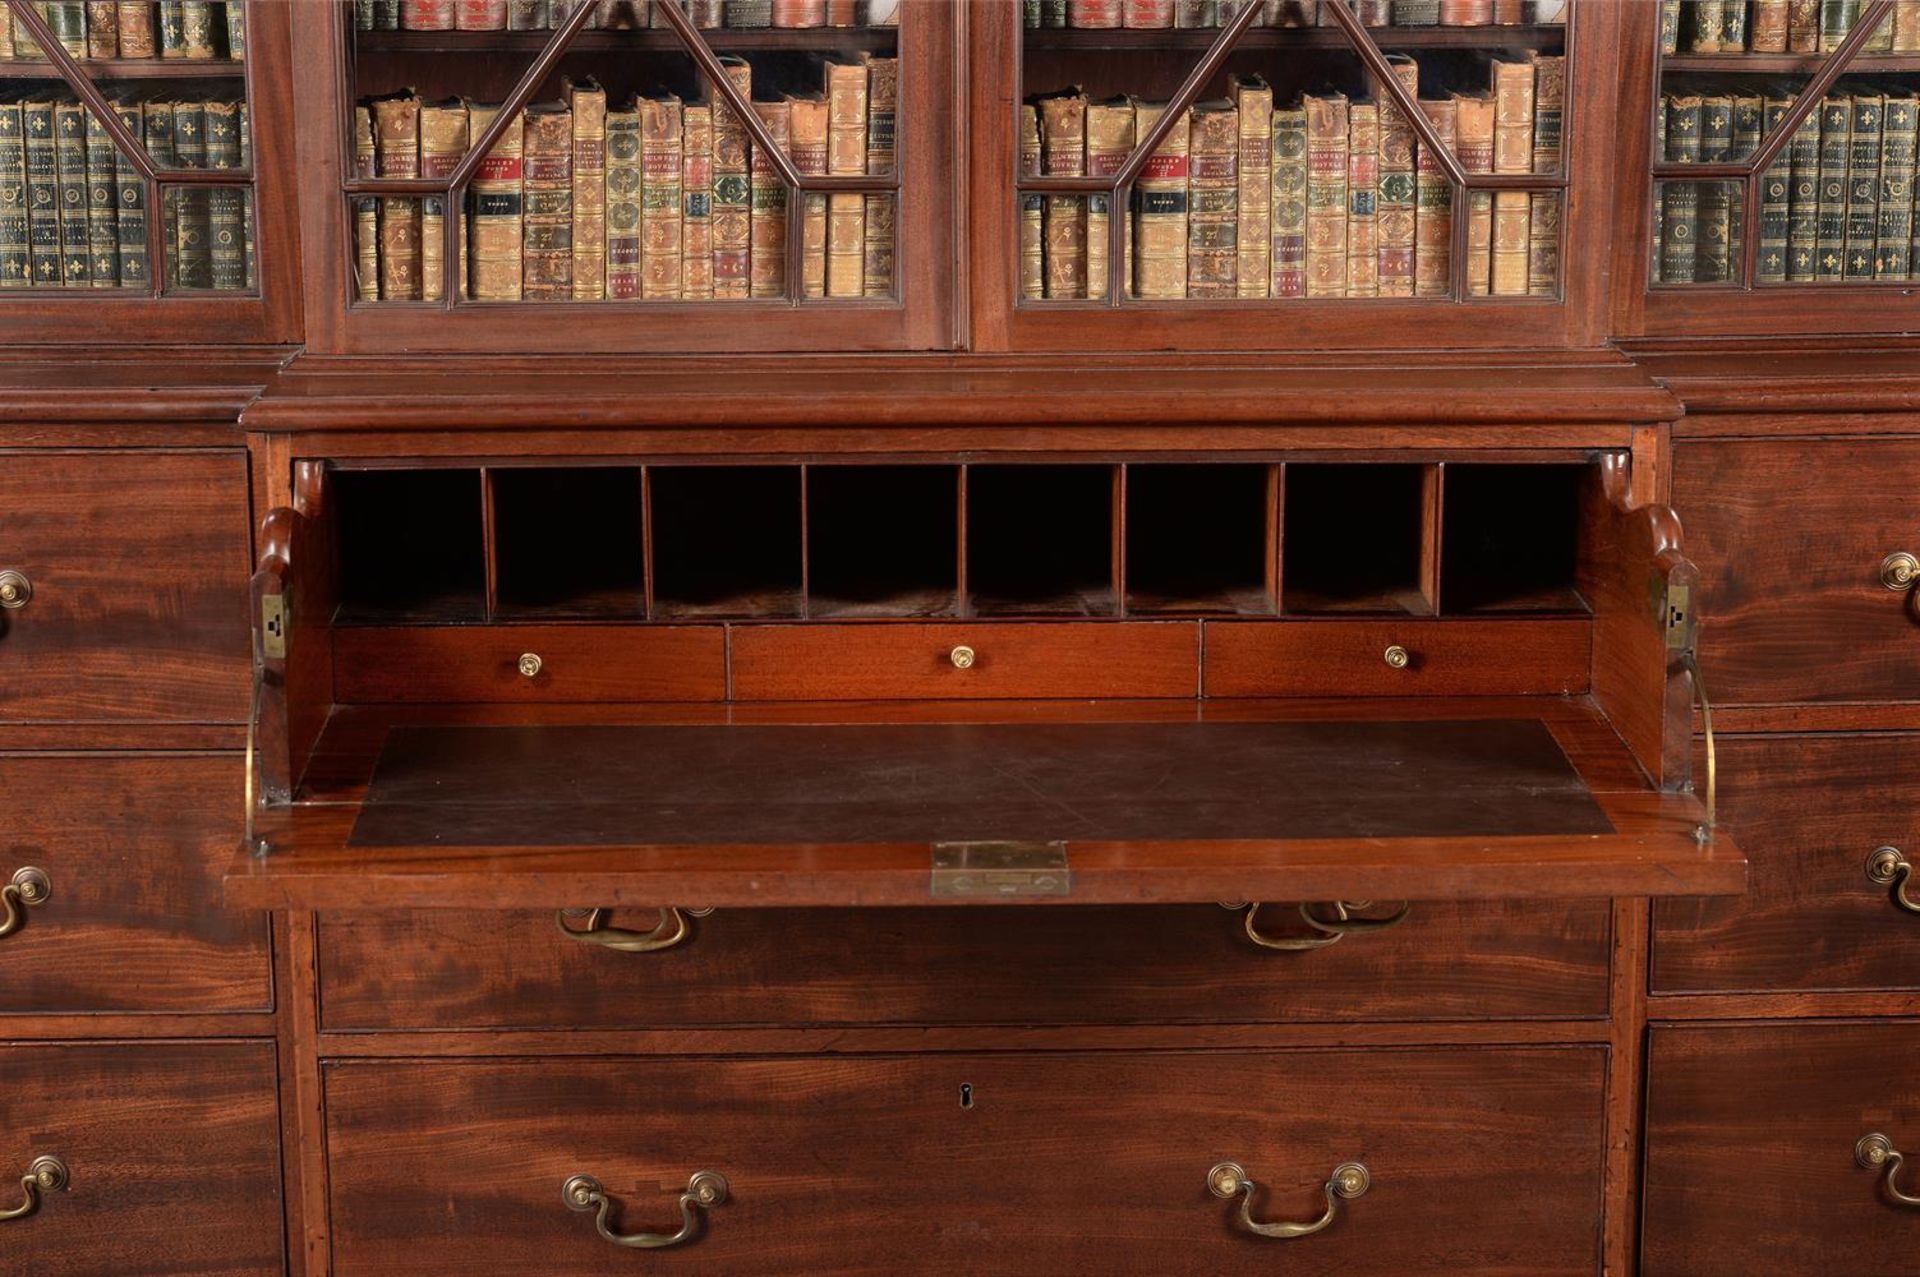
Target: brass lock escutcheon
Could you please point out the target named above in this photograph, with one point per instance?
(1328, 922)
(46, 1174)
(1229, 1179)
(1899, 571)
(1876, 1153)
(28, 889)
(15, 590)
(706, 1189)
(1888, 867)
(592, 928)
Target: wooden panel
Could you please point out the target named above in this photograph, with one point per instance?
(139, 567)
(438, 969)
(133, 846)
(481, 663)
(1073, 1163)
(173, 1150)
(1808, 811)
(1011, 660)
(1750, 1138)
(1447, 658)
(1789, 536)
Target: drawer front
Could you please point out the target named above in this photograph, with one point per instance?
(1751, 1135)
(132, 848)
(172, 1151)
(1809, 812)
(138, 568)
(379, 664)
(436, 968)
(1442, 658)
(1480, 1161)
(1789, 537)
(1000, 660)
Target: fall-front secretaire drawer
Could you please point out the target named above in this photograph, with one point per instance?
(528, 664)
(1424, 1161)
(1404, 657)
(965, 660)
(123, 587)
(438, 968)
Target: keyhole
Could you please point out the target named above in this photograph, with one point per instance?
(966, 1095)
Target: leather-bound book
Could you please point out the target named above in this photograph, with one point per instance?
(396, 135)
(1466, 13)
(1776, 187)
(1109, 142)
(1830, 224)
(1433, 208)
(197, 29)
(1291, 13)
(1543, 231)
(1327, 135)
(1513, 91)
(846, 155)
(696, 202)
(1213, 200)
(444, 140)
(1094, 13)
(7, 50)
(1702, 25)
(732, 234)
(1803, 26)
(1160, 208)
(1416, 13)
(193, 212)
(1063, 127)
(1733, 26)
(68, 21)
(529, 15)
(1147, 14)
(809, 151)
(589, 104)
(1190, 15)
(103, 29)
(1473, 124)
(662, 207)
(1669, 26)
(103, 230)
(249, 247)
(173, 29)
(1363, 195)
(1893, 259)
(882, 209)
(1836, 19)
(427, 15)
(621, 15)
(844, 13)
(1803, 198)
(70, 161)
(623, 203)
(136, 28)
(366, 211)
(1680, 201)
(43, 192)
(1767, 29)
(748, 13)
(236, 30)
(1033, 255)
(1748, 111)
(1508, 13)
(1288, 268)
(497, 202)
(547, 255)
(24, 45)
(1253, 101)
(1863, 187)
(767, 199)
(16, 258)
(1394, 203)
(130, 209)
(799, 13)
(480, 15)
(1881, 40)
(1053, 13)
(157, 118)
(1906, 26)
(226, 205)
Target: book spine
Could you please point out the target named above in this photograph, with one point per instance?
(396, 124)
(443, 144)
(589, 192)
(1893, 255)
(767, 197)
(237, 30)
(1714, 228)
(1147, 14)
(1474, 129)
(249, 246)
(103, 231)
(1466, 13)
(103, 29)
(1416, 13)
(159, 121)
(1253, 102)
(1863, 188)
(1830, 228)
(663, 206)
(1803, 26)
(480, 15)
(1093, 13)
(1109, 142)
(732, 234)
(1513, 98)
(1803, 198)
(1053, 13)
(847, 155)
(1679, 201)
(1543, 246)
(226, 216)
(1881, 40)
(1836, 19)
(623, 204)
(1394, 204)
(197, 29)
(1776, 184)
(1033, 257)
(1063, 123)
(1363, 190)
(799, 13)
(1669, 26)
(1327, 131)
(7, 50)
(696, 202)
(496, 201)
(748, 14)
(1289, 205)
(843, 13)
(883, 104)
(130, 209)
(1189, 15)
(193, 226)
(67, 19)
(70, 162)
(809, 151)
(366, 215)
(1160, 209)
(427, 15)
(43, 193)
(1906, 26)
(1748, 111)
(16, 257)
(1705, 24)
(1768, 32)
(547, 254)
(1433, 209)
(1733, 26)
(528, 15)
(1213, 146)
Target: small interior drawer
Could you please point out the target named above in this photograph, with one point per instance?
(531, 664)
(1399, 658)
(1485, 1160)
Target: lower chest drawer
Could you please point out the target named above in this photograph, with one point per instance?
(159, 1158)
(433, 969)
(1474, 1161)
(1754, 1135)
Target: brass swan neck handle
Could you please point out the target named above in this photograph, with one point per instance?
(1229, 1179)
(705, 1189)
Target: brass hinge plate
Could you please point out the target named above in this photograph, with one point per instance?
(1000, 870)
(273, 626)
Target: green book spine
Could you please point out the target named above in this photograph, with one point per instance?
(1716, 199)
(1747, 118)
(173, 29)
(43, 194)
(1894, 258)
(363, 15)
(197, 28)
(191, 210)
(747, 13)
(16, 258)
(386, 15)
(131, 216)
(1803, 198)
(1863, 188)
(68, 20)
(1053, 13)
(247, 241)
(1830, 226)
(1770, 264)
(1680, 201)
(1836, 19)
(237, 30)
(159, 142)
(1669, 26)
(1706, 25)
(70, 159)
(103, 199)
(1733, 26)
(226, 218)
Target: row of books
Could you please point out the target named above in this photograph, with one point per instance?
(1836, 206)
(1151, 14)
(1326, 198)
(657, 200)
(1781, 26)
(613, 15)
(74, 210)
(113, 29)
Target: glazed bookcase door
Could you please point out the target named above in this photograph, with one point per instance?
(143, 173)
(1355, 212)
(1775, 189)
(697, 177)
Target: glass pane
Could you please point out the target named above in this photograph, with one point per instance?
(1697, 232)
(209, 238)
(73, 207)
(191, 30)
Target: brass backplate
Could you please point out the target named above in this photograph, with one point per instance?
(273, 626)
(1000, 870)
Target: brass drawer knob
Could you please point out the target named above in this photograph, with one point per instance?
(1327, 923)
(29, 889)
(46, 1174)
(706, 1189)
(1398, 657)
(1888, 867)
(15, 590)
(1228, 1179)
(593, 929)
(1899, 571)
(530, 664)
(962, 657)
(1875, 1152)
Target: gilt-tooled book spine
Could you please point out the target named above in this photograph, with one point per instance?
(1148, 14)
(1680, 201)
(1543, 245)
(1292, 13)
(226, 205)
(43, 193)
(623, 204)
(1803, 198)
(1830, 227)
(7, 50)
(1288, 271)
(1416, 13)
(443, 144)
(809, 151)
(248, 242)
(193, 209)
(1109, 142)
(159, 119)
(1733, 26)
(1253, 101)
(547, 255)
(589, 102)
(427, 15)
(1508, 12)
(1326, 195)
(16, 258)
(1160, 208)
(236, 30)
(1714, 224)
(103, 198)
(696, 202)
(1213, 246)
(130, 209)
(24, 45)
(366, 214)
(1033, 257)
(1893, 260)
(1881, 40)
(1093, 13)
(1433, 208)
(1053, 13)
(103, 29)
(799, 13)
(882, 210)
(1776, 195)
(1513, 97)
(1747, 115)
(1906, 26)
(1768, 31)
(68, 21)
(748, 13)
(1803, 26)
(529, 15)
(1363, 192)
(1466, 13)
(1704, 23)
(732, 233)
(1394, 205)
(396, 129)
(1863, 187)
(767, 198)
(847, 156)
(1836, 19)
(496, 200)
(1669, 26)
(196, 29)
(1193, 14)
(662, 208)
(1473, 128)
(842, 13)
(1063, 125)
(480, 15)
(70, 160)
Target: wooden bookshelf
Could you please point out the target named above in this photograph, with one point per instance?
(653, 40)
(128, 69)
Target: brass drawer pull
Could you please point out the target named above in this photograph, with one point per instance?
(47, 1174)
(1877, 1151)
(30, 888)
(1397, 657)
(1899, 571)
(1886, 867)
(672, 929)
(1348, 1181)
(705, 1189)
(15, 590)
(1330, 923)
(962, 657)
